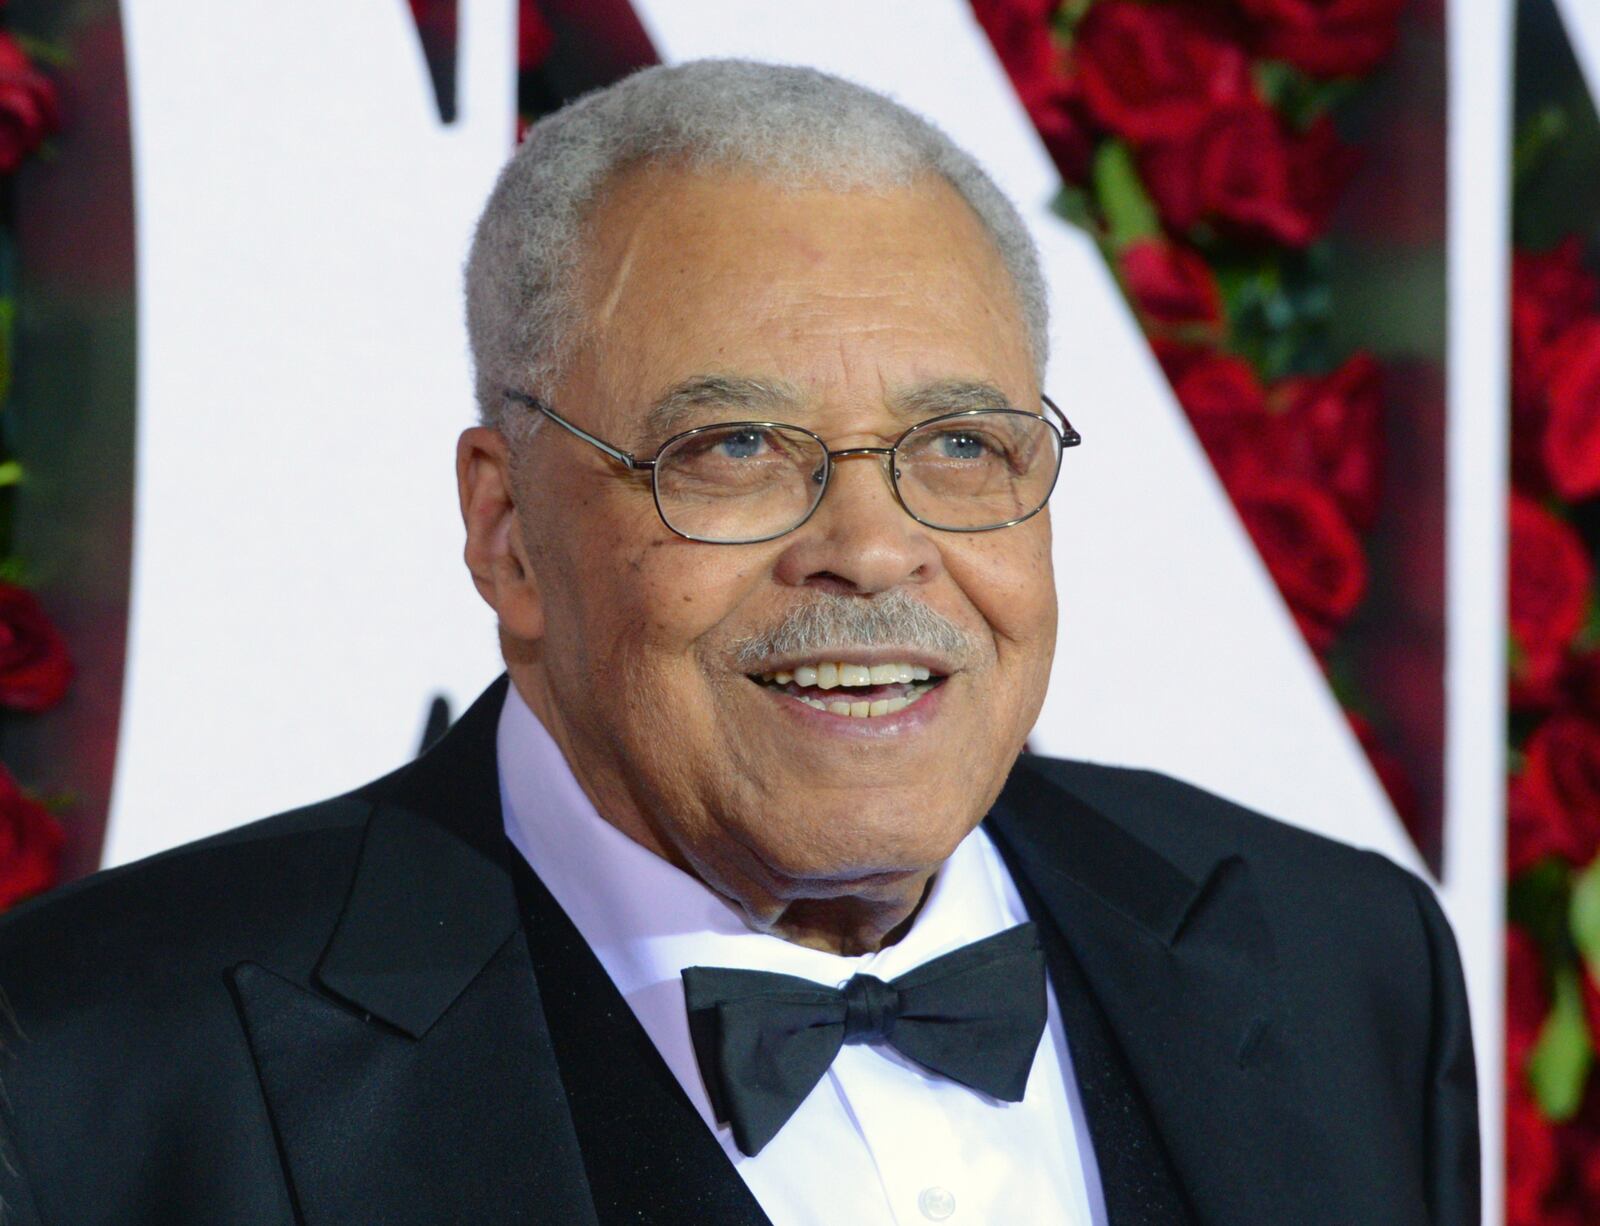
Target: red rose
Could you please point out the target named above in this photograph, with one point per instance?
(1247, 173)
(1333, 434)
(1527, 1002)
(1020, 33)
(30, 844)
(1555, 801)
(1327, 38)
(1551, 575)
(1549, 291)
(1307, 545)
(1402, 794)
(1532, 1159)
(1156, 72)
(534, 36)
(1570, 446)
(1176, 357)
(1310, 549)
(1535, 827)
(1227, 406)
(34, 666)
(1170, 284)
(1055, 105)
(29, 110)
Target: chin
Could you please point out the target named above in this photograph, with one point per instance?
(850, 853)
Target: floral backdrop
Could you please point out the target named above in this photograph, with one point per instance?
(1198, 144)
(35, 664)
(1553, 797)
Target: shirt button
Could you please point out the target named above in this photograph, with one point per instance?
(936, 1203)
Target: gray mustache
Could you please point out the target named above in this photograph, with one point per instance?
(829, 621)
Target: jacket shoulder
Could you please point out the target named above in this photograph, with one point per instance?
(1193, 827)
(1349, 912)
(156, 929)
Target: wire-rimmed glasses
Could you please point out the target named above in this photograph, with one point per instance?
(743, 482)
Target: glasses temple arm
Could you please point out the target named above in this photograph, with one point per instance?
(1069, 436)
(623, 457)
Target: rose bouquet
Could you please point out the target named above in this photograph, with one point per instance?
(1553, 802)
(1197, 144)
(35, 669)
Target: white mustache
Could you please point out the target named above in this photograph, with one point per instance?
(829, 622)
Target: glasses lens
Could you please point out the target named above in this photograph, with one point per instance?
(743, 481)
(978, 470)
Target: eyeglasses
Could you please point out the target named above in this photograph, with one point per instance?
(743, 482)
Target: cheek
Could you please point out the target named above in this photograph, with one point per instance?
(644, 607)
(1011, 583)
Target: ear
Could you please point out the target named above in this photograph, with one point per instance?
(495, 552)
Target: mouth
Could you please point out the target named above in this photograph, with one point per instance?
(853, 690)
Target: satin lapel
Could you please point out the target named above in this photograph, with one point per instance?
(1184, 969)
(649, 1156)
(410, 1074)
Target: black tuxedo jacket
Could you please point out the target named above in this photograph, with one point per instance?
(369, 1010)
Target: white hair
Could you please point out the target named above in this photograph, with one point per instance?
(793, 126)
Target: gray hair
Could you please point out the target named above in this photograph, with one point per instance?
(790, 125)
(833, 622)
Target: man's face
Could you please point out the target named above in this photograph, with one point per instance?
(858, 313)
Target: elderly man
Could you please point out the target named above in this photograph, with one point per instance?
(734, 903)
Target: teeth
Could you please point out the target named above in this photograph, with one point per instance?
(834, 673)
(866, 710)
(854, 674)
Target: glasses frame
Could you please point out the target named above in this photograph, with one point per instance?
(1066, 437)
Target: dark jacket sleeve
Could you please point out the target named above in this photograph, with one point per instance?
(16, 1198)
(1451, 1123)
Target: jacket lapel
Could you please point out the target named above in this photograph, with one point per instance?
(1183, 967)
(410, 1074)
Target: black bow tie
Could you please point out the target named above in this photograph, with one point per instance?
(764, 1040)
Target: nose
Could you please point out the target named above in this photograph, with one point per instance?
(860, 540)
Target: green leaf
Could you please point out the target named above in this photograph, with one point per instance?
(1539, 134)
(1539, 899)
(1588, 637)
(1128, 211)
(1068, 15)
(1559, 1064)
(1299, 98)
(1073, 203)
(43, 50)
(1584, 913)
(10, 473)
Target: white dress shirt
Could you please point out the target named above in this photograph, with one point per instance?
(879, 1140)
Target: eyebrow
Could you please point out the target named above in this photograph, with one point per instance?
(743, 396)
(947, 396)
(763, 399)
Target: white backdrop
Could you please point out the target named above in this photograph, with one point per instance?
(297, 587)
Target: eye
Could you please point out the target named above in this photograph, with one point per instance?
(962, 445)
(742, 444)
